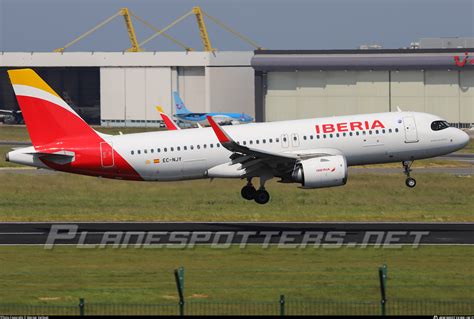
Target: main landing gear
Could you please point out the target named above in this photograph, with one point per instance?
(410, 182)
(249, 192)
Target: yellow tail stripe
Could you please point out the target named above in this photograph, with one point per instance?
(30, 78)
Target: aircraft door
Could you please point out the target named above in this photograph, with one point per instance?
(295, 140)
(409, 125)
(285, 142)
(106, 155)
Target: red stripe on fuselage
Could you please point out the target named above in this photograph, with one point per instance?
(52, 128)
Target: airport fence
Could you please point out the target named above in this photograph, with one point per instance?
(279, 307)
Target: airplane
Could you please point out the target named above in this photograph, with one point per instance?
(314, 153)
(186, 116)
(169, 123)
(12, 116)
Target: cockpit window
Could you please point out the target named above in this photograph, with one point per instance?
(439, 125)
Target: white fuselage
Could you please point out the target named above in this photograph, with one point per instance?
(189, 154)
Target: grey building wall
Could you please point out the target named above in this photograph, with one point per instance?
(316, 84)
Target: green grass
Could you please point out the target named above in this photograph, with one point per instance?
(32, 275)
(67, 197)
(19, 133)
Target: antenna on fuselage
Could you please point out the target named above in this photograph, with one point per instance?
(399, 109)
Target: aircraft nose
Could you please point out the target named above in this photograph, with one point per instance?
(463, 138)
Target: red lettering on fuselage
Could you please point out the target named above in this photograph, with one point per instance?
(348, 126)
(356, 125)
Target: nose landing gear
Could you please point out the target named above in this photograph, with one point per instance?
(410, 182)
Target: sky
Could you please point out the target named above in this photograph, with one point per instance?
(43, 25)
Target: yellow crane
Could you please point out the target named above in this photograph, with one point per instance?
(131, 31)
(127, 14)
(137, 47)
(206, 42)
(202, 29)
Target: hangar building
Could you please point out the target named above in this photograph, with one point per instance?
(125, 87)
(299, 84)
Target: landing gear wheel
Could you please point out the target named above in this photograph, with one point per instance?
(410, 182)
(262, 196)
(248, 192)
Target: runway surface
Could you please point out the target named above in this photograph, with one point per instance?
(349, 234)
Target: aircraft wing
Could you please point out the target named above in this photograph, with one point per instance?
(254, 160)
(8, 111)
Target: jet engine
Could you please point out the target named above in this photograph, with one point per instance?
(324, 171)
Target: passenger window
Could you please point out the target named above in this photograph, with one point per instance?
(317, 136)
(270, 140)
(324, 135)
(256, 142)
(185, 148)
(245, 143)
(158, 150)
(250, 142)
(277, 140)
(191, 147)
(330, 135)
(390, 130)
(337, 134)
(344, 134)
(139, 152)
(204, 146)
(370, 132)
(171, 149)
(284, 139)
(263, 141)
(145, 151)
(165, 150)
(152, 150)
(304, 137)
(350, 133)
(211, 145)
(198, 147)
(311, 137)
(132, 152)
(218, 145)
(396, 130)
(178, 148)
(357, 133)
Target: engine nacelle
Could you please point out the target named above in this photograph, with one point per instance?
(324, 171)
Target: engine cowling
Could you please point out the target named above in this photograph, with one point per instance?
(324, 171)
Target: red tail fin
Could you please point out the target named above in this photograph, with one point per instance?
(48, 118)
